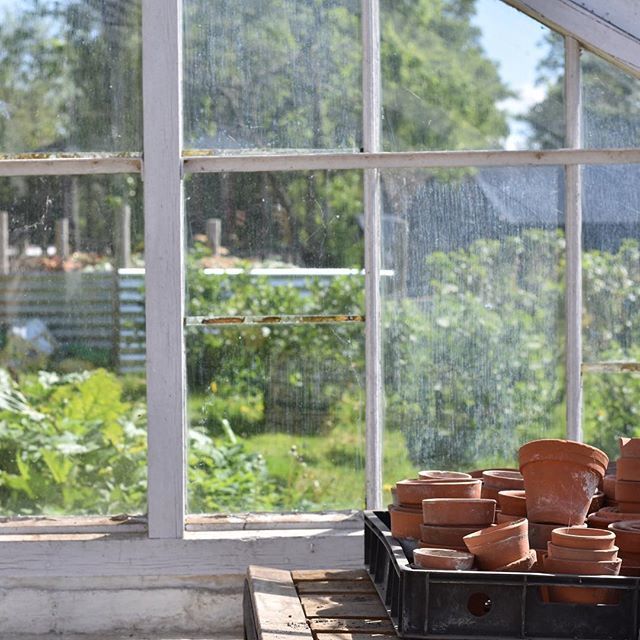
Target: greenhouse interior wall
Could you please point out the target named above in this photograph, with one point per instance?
(221, 350)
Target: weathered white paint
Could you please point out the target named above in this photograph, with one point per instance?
(131, 607)
(573, 236)
(372, 136)
(611, 29)
(164, 239)
(69, 166)
(408, 160)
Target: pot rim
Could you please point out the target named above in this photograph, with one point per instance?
(497, 533)
(564, 450)
(582, 536)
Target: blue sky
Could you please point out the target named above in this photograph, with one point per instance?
(515, 42)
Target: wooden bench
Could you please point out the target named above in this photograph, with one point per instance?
(313, 605)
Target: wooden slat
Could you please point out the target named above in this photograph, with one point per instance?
(329, 574)
(277, 612)
(343, 605)
(335, 586)
(369, 626)
(353, 636)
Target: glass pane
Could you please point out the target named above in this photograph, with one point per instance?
(70, 76)
(472, 313)
(293, 241)
(611, 105)
(611, 262)
(272, 74)
(276, 418)
(610, 409)
(468, 76)
(72, 382)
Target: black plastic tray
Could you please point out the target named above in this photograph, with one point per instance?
(482, 604)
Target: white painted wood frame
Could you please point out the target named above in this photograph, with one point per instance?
(164, 238)
(573, 237)
(372, 137)
(89, 165)
(407, 160)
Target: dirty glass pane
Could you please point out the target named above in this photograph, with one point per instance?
(610, 409)
(293, 241)
(611, 262)
(276, 418)
(468, 76)
(70, 76)
(611, 105)
(72, 379)
(272, 74)
(472, 313)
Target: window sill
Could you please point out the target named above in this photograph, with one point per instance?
(212, 546)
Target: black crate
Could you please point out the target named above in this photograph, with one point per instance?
(482, 604)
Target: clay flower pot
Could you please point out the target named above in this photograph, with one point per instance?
(436, 474)
(446, 559)
(627, 534)
(513, 502)
(597, 502)
(452, 489)
(629, 447)
(569, 553)
(458, 511)
(583, 538)
(629, 507)
(628, 469)
(505, 517)
(405, 523)
(627, 491)
(523, 564)
(581, 595)
(411, 492)
(602, 518)
(560, 477)
(496, 480)
(609, 486)
(500, 545)
(444, 536)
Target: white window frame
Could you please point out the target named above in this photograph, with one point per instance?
(169, 540)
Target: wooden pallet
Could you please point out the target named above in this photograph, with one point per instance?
(313, 605)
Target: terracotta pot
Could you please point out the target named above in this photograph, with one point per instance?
(627, 534)
(629, 447)
(458, 511)
(628, 469)
(424, 545)
(581, 595)
(436, 474)
(609, 486)
(394, 497)
(411, 493)
(597, 502)
(452, 489)
(513, 502)
(560, 477)
(540, 533)
(500, 545)
(569, 553)
(627, 491)
(496, 480)
(405, 523)
(583, 538)
(629, 507)
(505, 517)
(602, 518)
(522, 564)
(631, 569)
(446, 559)
(443, 536)
(582, 567)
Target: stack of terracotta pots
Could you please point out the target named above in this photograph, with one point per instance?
(628, 476)
(582, 551)
(504, 547)
(406, 512)
(561, 478)
(513, 505)
(496, 480)
(627, 533)
(444, 559)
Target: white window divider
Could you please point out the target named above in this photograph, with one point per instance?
(164, 238)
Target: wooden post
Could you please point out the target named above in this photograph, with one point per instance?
(62, 238)
(122, 240)
(214, 234)
(4, 243)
